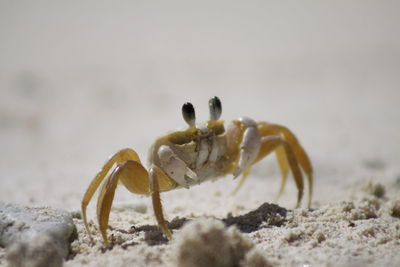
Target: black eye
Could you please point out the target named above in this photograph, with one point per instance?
(215, 108)
(188, 114)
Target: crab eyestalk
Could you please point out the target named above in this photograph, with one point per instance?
(188, 114)
(215, 108)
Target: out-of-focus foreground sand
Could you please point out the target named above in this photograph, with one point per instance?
(78, 81)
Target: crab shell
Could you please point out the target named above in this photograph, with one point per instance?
(197, 154)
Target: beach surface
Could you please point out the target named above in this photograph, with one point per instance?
(78, 82)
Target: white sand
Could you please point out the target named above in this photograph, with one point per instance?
(80, 81)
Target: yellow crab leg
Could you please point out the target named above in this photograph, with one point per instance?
(271, 143)
(284, 168)
(119, 157)
(135, 178)
(157, 174)
(302, 157)
(241, 181)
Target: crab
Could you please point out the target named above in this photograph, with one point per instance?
(199, 153)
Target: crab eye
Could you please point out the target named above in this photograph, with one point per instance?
(188, 114)
(215, 108)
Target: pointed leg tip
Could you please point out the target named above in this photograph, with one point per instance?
(236, 174)
(169, 236)
(234, 192)
(167, 232)
(309, 204)
(107, 243)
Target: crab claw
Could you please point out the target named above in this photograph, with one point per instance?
(175, 167)
(249, 147)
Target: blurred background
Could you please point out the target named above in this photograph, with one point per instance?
(81, 79)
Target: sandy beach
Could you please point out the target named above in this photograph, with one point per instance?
(79, 81)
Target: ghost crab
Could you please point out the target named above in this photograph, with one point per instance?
(200, 153)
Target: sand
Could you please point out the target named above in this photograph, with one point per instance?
(80, 81)
(362, 231)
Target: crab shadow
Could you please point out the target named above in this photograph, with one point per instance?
(264, 216)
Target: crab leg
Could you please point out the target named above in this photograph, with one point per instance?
(283, 165)
(155, 175)
(133, 176)
(137, 180)
(119, 157)
(266, 129)
(241, 181)
(270, 144)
